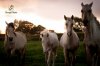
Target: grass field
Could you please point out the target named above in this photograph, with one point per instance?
(35, 57)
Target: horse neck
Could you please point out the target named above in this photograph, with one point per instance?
(92, 28)
(71, 37)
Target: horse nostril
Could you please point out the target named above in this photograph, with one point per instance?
(10, 38)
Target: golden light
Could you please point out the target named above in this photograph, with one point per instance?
(50, 24)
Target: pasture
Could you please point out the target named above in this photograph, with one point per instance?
(35, 57)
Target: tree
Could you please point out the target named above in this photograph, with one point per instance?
(28, 27)
(78, 24)
(40, 28)
(16, 23)
(24, 26)
(37, 29)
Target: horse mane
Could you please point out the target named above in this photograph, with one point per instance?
(11, 25)
(97, 22)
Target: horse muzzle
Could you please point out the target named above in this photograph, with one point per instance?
(10, 38)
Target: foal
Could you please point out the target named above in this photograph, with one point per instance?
(50, 44)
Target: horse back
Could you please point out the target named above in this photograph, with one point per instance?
(20, 40)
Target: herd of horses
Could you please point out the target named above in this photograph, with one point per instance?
(15, 41)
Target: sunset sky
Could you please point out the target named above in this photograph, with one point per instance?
(48, 13)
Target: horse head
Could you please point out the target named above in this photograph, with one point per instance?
(86, 13)
(69, 24)
(10, 31)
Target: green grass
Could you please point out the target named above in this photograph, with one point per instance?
(35, 57)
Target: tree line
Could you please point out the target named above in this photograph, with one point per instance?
(28, 27)
(31, 30)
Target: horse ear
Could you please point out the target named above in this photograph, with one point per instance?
(65, 17)
(6, 22)
(72, 17)
(82, 4)
(91, 4)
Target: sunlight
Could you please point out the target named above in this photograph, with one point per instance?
(98, 20)
(57, 26)
(50, 24)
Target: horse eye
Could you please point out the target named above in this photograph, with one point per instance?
(42, 35)
(82, 11)
(89, 11)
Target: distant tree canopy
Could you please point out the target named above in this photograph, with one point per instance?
(32, 31)
(77, 19)
(78, 24)
(28, 27)
(36, 29)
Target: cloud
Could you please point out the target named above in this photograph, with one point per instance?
(54, 9)
(17, 3)
(49, 10)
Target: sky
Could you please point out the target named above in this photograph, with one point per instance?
(48, 13)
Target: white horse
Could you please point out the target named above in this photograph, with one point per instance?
(70, 42)
(49, 43)
(91, 35)
(14, 41)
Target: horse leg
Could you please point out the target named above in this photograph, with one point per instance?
(95, 60)
(54, 57)
(89, 57)
(73, 58)
(49, 58)
(66, 57)
(8, 53)
(21, 55)
(98, 58)
(46, 57)
(12, 51)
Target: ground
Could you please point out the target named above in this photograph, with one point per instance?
(34, 56)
